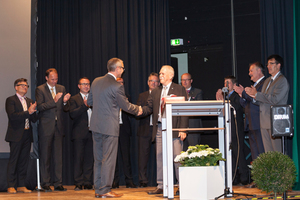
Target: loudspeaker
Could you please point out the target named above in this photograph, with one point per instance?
(282, 120)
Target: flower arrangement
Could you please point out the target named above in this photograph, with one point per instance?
(199, 155)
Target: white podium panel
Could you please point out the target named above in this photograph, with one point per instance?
(194, 108)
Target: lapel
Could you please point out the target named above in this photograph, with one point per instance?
(260, 83)
(266, 83)
(48, 91)
(171, 90)
(18, 103)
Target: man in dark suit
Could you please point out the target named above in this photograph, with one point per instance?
(194, 94)
(154, 102)
(239, 166)
(20, 112)
(145, 131)
(51, 100)
(274, 91)
(107, 96)
(123, 154)
(80, 112)
(252, 110)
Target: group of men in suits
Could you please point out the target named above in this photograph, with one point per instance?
(257, 101)
(98, 134)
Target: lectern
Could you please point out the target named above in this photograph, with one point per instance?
(195, 108)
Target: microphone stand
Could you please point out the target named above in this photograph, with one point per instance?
(227, 189)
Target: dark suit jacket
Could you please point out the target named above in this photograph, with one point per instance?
(16, 118)
(195, 94)
(251, 109)
(49, 109)
(107, 96)
(153, 104)
(125, 128)
(235, 102)
(144, 122)
(78, 112)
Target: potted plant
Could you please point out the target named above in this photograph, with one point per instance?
(273, 172)
(200, 175)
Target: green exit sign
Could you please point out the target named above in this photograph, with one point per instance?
(176, 42)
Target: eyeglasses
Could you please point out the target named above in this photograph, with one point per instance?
(122, 68)
(153, 81)
(271, 63)
(23, 85)
(184, 80)
(85, 84)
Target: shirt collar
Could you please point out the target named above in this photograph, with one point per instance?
(50, 87)
(83, 95)
(112, 75)
(259, 80)
(19, 96)
(276, 75)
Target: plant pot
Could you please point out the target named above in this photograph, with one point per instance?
(197, 183)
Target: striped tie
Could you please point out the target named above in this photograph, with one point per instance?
(52, 93)
(23, 101)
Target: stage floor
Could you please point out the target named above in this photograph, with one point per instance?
(129, 194)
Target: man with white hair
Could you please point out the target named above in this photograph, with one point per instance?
(154, 102)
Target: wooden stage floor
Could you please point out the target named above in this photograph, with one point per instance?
(129, 194)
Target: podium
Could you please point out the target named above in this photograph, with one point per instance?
(194, 108)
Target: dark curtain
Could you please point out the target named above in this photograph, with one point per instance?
(78, 37)
(277, 38)
(296, 140)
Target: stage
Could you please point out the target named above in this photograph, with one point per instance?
(129, 194)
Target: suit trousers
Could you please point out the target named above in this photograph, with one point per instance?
(239, 164)
(83, 160)
(177, 148)
(51, 146)
(105, 156)
(144, 150)
(124, 157)
(18, 161)
(256, 143)
(270, 143)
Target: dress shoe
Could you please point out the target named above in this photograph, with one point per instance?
(177, 192)
(130, 185)
(108, 195)
(156, 191)
(88, 187)
(142, 185)
(78, 187)
(115, 185)
(23, 189)
(60, 188)
(11, 190)
(251, 185)
(47, 189)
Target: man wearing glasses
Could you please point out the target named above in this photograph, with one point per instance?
(274, 92)
(145, 132)
(21, 111)
(107, 96)
(82, 139)
(193, 94)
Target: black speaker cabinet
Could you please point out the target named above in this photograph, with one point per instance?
(282, 120)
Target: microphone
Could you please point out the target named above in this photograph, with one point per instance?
(225, 89)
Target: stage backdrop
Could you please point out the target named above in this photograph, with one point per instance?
(15, 18)
(79, 37)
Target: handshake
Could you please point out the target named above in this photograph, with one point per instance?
(140, 111)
